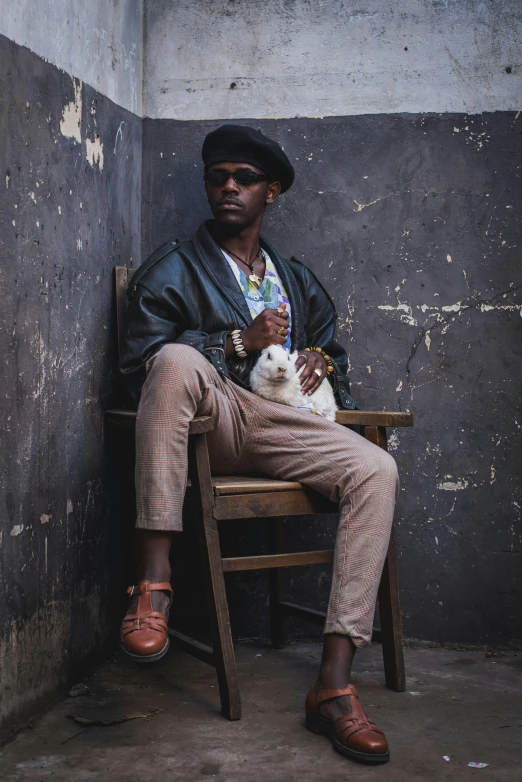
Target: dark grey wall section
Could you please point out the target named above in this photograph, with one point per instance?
(65, 222)
(412, 224)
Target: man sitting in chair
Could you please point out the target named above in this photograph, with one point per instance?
(200, 312)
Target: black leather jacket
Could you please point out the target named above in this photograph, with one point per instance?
(187, 293)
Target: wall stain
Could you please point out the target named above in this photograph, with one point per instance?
(71, 122)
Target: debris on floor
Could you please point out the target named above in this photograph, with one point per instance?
(79, 689)
(101, 722)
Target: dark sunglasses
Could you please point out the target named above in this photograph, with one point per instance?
(242, 177)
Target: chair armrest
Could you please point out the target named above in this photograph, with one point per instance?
(202, 424)
(372, 418)
(121, 417)
(199, 425)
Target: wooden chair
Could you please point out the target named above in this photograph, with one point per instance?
(213, 499)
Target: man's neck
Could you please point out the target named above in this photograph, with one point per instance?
(243, 242)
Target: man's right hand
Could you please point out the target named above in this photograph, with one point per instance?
(262, 332)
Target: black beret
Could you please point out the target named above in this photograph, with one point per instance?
(240, 144)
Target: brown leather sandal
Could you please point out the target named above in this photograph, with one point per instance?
(353, 734)
(144, 634)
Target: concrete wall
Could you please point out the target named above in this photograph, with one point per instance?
(99, 41)
(69, 211)
(286, 58)
(410, 219)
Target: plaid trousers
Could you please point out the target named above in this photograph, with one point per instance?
(252, 435)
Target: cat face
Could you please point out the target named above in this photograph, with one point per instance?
(277, 364)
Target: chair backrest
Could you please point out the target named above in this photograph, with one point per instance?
(122, 277)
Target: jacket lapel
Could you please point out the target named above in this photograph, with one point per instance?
(217, 268)
(219, 271)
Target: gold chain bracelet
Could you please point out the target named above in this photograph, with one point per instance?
(330, 368)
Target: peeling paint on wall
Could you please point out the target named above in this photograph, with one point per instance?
(94, 151)
(407, 318)
(457, 485)
(71, 123)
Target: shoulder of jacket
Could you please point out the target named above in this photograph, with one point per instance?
(293, 261)
(298, 267)
(160, 253)
(302, 269)
(306, 272)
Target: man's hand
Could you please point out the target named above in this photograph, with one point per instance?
(310, 378)
(263, 331)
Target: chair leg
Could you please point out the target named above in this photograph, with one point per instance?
(391, 626)
(389, 605)
(210, 550)
(276, 585)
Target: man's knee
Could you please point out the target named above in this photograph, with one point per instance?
(385, 467)
(374, 466)
(178, 359)
(177, 369)
(386, 462)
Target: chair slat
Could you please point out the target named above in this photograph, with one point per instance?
(276, 560)
(199, 650)
(266, 504)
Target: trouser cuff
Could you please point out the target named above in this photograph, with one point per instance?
(358, 640)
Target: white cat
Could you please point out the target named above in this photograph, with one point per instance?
(275, 378)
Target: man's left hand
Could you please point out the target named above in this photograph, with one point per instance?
(310, 379)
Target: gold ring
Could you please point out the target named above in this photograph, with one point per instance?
(318, 372)
(280, 311)
(282, 331)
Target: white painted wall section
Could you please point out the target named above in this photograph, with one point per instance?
(284, 58)
(97, 41)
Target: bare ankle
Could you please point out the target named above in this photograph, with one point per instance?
(333, 680)
(336, 662)
(152, 550)
(155, 575)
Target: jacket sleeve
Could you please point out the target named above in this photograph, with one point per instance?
(320, 329)
(320, 332)
(149, 326)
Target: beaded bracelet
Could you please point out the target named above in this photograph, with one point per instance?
(238, 343)
(330, 368)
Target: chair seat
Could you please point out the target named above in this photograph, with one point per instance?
(237, 484)
(249, 484)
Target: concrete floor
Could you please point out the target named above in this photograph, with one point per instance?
(459, 704)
